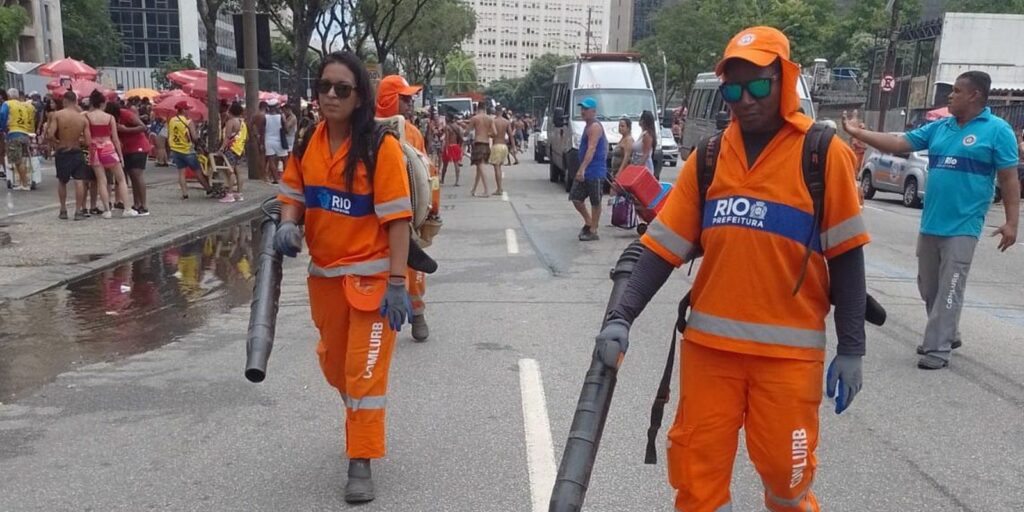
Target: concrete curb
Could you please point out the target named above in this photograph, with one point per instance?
(46, 280)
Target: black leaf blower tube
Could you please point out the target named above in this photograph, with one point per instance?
(592, 409)
(266, 293)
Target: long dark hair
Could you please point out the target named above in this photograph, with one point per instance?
(96, 98)
(363, 125)
(648, 126)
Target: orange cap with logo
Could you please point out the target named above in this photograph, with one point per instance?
(761, 46)
(390, 88)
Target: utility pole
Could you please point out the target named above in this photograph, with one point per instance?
(252, 85)
(590, 12)
(890, 65)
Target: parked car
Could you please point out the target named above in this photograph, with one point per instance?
(540, 142)
(904, 174)
(669, 148)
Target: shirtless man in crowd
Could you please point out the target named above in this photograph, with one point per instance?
(501, 140)
(67, 132)
(452, 152)
(483, 129)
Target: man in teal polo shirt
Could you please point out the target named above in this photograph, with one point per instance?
(964, 153)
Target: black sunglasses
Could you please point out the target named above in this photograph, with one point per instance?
(341, 89)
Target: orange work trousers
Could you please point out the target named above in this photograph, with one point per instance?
(355, 354)
(774, 400)
(417, 285)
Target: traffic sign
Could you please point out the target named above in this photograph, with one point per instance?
(888, 83)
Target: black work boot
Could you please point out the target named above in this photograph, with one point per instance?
(420, 331)
(359, 488)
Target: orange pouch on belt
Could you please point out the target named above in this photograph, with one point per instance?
(364, 293)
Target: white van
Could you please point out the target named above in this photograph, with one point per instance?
(706, 103)
(622, 87)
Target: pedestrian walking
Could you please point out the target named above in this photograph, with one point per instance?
(755, 360)
(106, 154)
(67, 131)
(643, 154)
(483, 130)
(275, 141)
(233, 140)
(181, 139)
(453, 139)
(132, 133)
(357, 232)
(593, 170)
(966, 153)
(18, 118)
(291, 127)
(622, 156)
(501, 141)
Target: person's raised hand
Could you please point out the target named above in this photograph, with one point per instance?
(852, 123)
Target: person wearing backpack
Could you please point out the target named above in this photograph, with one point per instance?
(394, 97)
(774, 252)
(351, 186)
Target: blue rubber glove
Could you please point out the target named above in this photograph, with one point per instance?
(844, 380)
(396, 306)
(288, 239)
(613, 341)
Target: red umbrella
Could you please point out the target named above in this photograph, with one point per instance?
(225, 90)
(68, 67)
(168, 107)
(267, 96)
(938, 113)
(173, 93)
(82, 88)
(186, 76)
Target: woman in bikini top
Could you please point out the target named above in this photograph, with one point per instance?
(105, 152)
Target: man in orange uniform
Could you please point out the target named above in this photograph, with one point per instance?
(754, 349)
(357, 230)
(394, 97)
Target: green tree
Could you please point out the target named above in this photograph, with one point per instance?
(209, 11)
(423, 47)
(505, 91)
(296, 20)
(89, 33)
(12, 21)
(460, 74)
(171, 65)
(535, 88)
(386, 21)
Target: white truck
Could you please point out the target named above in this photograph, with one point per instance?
(622, 87)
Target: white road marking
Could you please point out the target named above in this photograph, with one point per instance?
(876, 208)
(511, 242)
(540, 456)
(504, 196)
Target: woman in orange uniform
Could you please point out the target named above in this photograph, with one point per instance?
(357, 228)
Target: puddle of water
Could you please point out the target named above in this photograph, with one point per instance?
(125, 310)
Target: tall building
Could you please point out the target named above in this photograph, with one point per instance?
(153, 31)
(42, 39)
(511, 33)
(643, 18)
(620, 26)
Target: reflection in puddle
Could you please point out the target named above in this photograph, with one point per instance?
(125, 310)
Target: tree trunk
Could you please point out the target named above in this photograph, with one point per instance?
(303, 30)
(212, 100)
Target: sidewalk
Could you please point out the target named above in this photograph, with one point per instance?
(45, 252)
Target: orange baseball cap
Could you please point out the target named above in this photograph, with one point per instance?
(758, 45)
(389, 90)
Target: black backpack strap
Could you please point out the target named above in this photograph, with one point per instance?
(661, 399)
(302, 140)
(813, 159)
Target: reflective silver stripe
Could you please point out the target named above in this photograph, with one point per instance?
(761, 333)
(842, 232)
(795, 502)
(291, 193)
(366, 268)
(668, 239)
(399, 205)
(365, 403)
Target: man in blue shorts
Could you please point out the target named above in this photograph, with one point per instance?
(965, 152)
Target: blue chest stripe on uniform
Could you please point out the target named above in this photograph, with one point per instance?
(336, 201)
(760, 215)
(959, 163)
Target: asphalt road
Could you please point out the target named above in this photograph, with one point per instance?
(478, 415)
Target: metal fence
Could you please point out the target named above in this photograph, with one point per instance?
(1013, 114)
